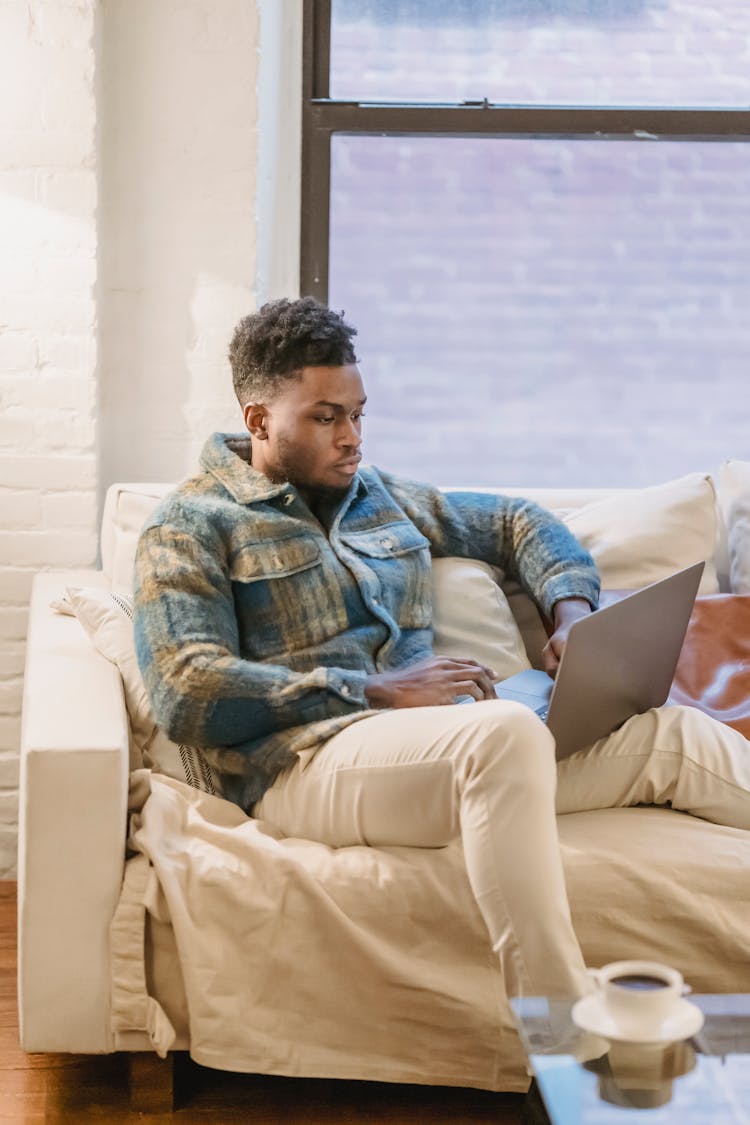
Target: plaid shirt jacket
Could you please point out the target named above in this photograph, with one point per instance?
(256, 627)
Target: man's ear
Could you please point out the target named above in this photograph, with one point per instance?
(256, 420)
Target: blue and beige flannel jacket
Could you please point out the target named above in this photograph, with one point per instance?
(256, 627)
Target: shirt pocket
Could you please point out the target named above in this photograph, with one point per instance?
(399, 555)
(284, 603)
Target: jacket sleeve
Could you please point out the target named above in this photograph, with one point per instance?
(525, 540)
(187, 644)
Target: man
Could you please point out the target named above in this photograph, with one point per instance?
(283, 622)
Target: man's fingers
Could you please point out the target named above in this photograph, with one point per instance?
(458, 672)
(469, 687)
(478, 674)
(551, 661)
(466, 662)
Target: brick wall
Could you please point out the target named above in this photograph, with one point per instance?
(127, 227)
(48, 348)
(177, 226)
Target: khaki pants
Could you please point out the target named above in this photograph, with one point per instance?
(420, 776)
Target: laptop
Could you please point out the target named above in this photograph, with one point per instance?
(618, 662)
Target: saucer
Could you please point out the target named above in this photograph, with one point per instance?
(591, 1014)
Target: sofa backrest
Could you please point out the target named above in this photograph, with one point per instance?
(636, 535)
(126, 509)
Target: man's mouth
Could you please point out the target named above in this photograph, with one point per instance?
(349, 465)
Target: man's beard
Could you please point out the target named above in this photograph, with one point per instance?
(292, 467)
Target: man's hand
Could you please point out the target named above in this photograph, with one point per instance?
(434, 681)
(566, 612)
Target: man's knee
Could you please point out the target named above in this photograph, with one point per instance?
(510, 739)
(673, 727)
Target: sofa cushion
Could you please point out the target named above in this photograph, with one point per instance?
(713, 672)
(472, 618)
(126, 509)
(647, 534)
(734, 494)
(107, 617)
(636, 537)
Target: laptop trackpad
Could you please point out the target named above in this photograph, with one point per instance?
(531, 687)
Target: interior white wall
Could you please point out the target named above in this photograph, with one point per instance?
(48, 341)
(178, 158)
(278, 191)
(149, 197)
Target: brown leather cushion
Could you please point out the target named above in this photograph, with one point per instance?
(713, 672)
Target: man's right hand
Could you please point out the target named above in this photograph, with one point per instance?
(437, 680)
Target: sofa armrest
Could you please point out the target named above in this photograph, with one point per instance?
(72, 826)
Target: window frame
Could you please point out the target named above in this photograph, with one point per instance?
(323, 116)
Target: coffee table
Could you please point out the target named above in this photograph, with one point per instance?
(586, 1080)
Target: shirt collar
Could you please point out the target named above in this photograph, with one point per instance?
(227, 457)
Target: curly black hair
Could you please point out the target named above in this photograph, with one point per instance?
(271, 346)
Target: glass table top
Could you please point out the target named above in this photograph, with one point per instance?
(585, 1079)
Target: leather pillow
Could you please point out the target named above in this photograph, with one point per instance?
(713, 672)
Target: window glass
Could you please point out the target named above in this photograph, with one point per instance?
(592, 52)
(542, 312)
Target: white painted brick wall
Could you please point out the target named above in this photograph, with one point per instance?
(48, 353)
(127, 226)
(177, 226)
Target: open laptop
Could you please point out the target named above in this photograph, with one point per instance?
(618, 662)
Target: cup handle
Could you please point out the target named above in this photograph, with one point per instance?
(595, 975)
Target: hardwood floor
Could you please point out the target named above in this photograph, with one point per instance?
(73, 1089)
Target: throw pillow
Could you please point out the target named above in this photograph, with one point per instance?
(713, 672)
(641, 536)
(636, 537)
(107, 617)
(472, 618)
(734, 493)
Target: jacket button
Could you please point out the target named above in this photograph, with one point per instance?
(388, 543)
(345, 689)
(288, 499)
(277, 561)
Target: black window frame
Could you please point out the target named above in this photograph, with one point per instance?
(322, 116)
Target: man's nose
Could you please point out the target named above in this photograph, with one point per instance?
(349, 434)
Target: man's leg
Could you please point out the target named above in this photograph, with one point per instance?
(419, 776)
(669, 755)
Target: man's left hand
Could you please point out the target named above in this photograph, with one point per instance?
(566, 613)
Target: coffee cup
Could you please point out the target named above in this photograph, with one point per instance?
(639, 995)
(640, 1076)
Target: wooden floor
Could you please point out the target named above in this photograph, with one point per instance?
(74, 1089)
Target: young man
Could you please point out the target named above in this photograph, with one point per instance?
(283, 623)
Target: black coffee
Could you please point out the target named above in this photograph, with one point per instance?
(638, 982)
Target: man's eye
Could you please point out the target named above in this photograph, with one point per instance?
(322, 418)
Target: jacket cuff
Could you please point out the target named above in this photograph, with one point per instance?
(569, 585)
(349, 686)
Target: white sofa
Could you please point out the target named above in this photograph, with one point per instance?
(395, 984)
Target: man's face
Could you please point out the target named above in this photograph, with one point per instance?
(313, 430)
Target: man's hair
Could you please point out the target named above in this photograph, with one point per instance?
(270, 347)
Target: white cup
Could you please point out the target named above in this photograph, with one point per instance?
(639, 995)
(642, 1076)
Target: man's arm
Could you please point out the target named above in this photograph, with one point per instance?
(201, 690)
(430, 683)
(525, 540)
(565, 614)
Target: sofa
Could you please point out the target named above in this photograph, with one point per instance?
(154, 916)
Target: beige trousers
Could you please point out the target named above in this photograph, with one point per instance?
(421, 776)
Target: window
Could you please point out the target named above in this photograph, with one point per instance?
(538, 216)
